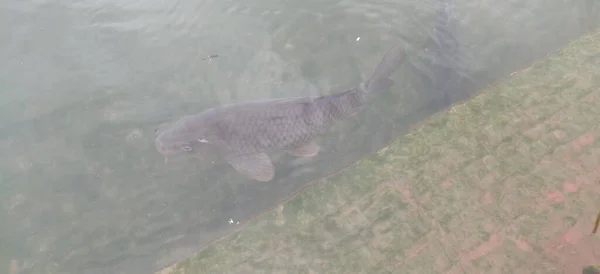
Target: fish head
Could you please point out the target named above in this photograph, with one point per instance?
(185, 137)
(170, 145)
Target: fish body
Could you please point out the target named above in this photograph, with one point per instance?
(244, 133)
(445, 63)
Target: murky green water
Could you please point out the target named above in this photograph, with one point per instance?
(84, 84)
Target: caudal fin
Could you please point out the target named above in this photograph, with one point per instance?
(445, 63)
(380, 80)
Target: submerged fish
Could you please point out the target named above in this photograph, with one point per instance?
(445, 65)
(243, 133)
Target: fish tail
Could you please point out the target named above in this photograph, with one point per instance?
(444, 13)
(342, 105)
(380, 80)
(449, 60)
(444, 35)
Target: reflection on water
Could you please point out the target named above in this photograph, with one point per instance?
(83, 86)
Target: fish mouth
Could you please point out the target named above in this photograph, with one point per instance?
(161, 148)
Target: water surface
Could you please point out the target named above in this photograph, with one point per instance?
(84, 84)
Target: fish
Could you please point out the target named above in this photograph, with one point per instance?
(245, 133)
(445, 62)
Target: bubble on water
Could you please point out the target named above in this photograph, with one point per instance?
(135, 135)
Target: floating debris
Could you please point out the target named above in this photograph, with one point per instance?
(14, 267)
(210, 57)
(231, 221)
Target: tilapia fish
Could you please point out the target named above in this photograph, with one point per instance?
(244, 133)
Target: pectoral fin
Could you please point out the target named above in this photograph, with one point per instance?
(307, 150)
(255, 166)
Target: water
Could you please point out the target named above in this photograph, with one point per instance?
(84, 84)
